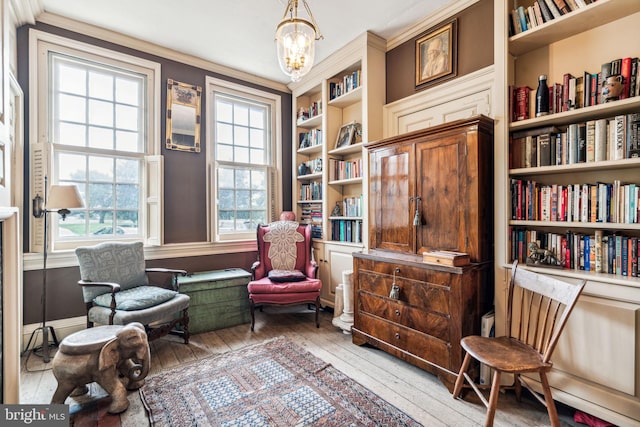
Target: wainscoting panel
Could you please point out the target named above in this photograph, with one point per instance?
(465, 97)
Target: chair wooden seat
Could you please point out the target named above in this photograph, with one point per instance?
(538, 307)
(505, 353)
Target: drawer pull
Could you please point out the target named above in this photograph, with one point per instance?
(397, 312)
(397, 336)
(395, 289)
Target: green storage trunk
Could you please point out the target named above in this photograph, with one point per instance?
(219, 299)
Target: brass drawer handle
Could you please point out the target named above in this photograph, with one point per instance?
(397, 312)
(397, 336)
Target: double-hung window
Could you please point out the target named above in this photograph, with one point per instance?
(96, 130)
(244, 135)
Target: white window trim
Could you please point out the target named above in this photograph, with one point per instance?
(40, 44)
(213, 84)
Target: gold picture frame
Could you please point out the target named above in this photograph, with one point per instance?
(183, 116)
(436, 55)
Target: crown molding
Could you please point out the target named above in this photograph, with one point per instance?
(154, 49)
(25, 11)
(433, 19)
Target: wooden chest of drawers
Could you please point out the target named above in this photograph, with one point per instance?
(436, 306)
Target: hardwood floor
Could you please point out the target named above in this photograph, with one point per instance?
(412, 390)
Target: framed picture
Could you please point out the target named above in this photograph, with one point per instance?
(183, 116)
(346, 135)
(436, 54)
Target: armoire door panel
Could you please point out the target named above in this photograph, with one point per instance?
(442, 208)
(391, 182)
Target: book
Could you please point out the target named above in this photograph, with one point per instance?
(562, 6)
(573, 5)
(582, 143)
(625, 72)
(546, 13)
(515, 18)
(633, 135)
(619, 140)
(572, 143)
(544, 149)
(522, 18)
(616, 66)
(586, 89)
(522, 102)
(571, 99)
(591, 141)
(553, 8)
(565, 91)
(633, 79)
(538, 12)
(452, 258)
(579, 103)
(600, 143)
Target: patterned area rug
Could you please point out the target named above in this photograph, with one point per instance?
(275, 383)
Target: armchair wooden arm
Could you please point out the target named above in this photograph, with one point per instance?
(114, 288)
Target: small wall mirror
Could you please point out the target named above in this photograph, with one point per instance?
(183, 116)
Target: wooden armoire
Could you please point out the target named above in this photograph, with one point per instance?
(430, 189)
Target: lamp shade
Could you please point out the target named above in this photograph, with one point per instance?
(296, 41)
(296, 47)
(64, 197)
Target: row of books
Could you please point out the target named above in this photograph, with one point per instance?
(600, 252)
(613, 138)
(352, 206)
(310, 139)
(579, 91)
(306, 113)
(348, 83)
(344, 169)
(311, 213)
(542, 11)
(311, 191)
(346, 230)
(602, 202)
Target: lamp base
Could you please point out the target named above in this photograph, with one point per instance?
(43, 351)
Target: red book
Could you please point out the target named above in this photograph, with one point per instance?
(625, 71)
(522, 102)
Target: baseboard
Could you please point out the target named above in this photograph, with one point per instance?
(62, 328)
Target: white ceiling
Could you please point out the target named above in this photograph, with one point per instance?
(240, 33)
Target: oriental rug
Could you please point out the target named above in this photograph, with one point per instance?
(275, 383)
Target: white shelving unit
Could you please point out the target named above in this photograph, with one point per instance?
(338, 236)
(596, 365)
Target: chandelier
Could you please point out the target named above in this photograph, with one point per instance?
(295, 41)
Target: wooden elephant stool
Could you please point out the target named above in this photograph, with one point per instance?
(116, 357)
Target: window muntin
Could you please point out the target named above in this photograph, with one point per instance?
(244, 163)
(98, 140)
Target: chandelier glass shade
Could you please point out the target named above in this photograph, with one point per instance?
(295, 41)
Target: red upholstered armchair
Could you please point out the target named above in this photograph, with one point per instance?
(285, 272)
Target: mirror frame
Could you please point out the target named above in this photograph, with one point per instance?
(183, 95)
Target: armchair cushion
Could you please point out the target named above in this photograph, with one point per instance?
(121, 263)
(137, 298)
(286, 276)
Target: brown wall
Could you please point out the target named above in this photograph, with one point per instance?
(475, 51)
(184, 185)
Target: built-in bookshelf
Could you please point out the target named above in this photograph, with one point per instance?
(338, 107)
(572, 189)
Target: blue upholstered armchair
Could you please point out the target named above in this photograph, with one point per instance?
(116, 290)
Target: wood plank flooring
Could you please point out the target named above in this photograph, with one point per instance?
(412, 390)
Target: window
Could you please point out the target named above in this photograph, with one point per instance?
(96, 133)
(244, 133)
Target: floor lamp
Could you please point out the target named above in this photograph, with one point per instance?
(60, 200)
